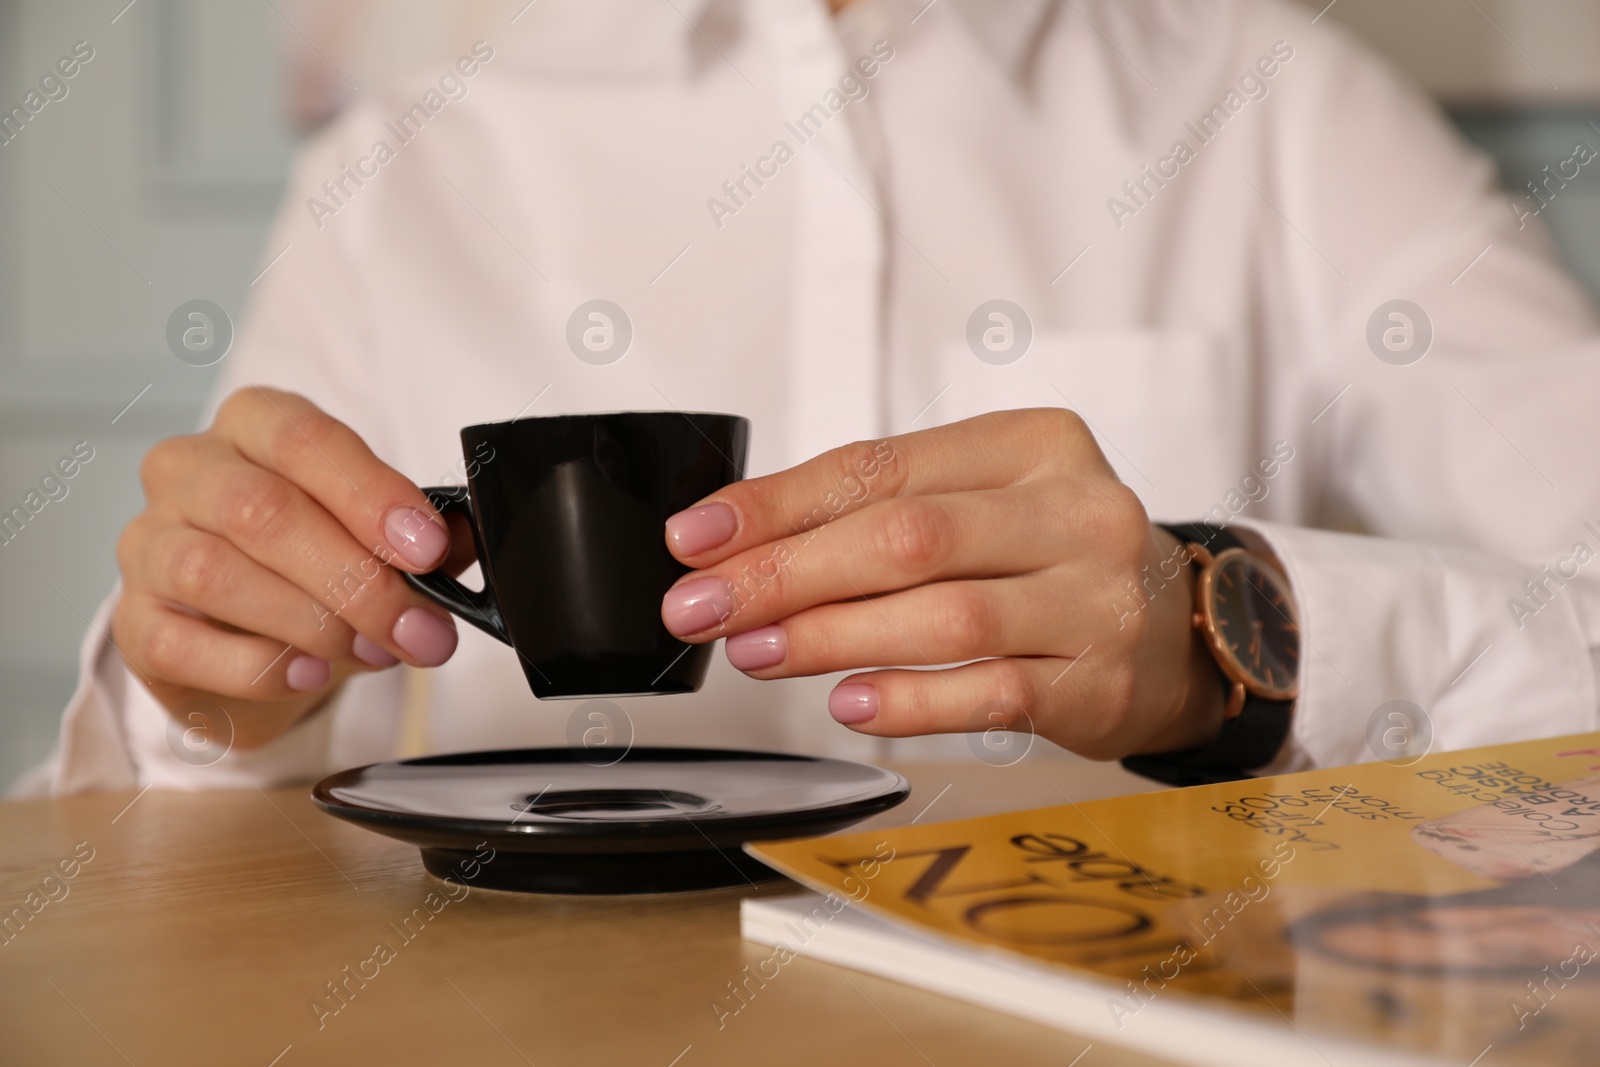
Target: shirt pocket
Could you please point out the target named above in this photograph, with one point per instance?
(1169, 408)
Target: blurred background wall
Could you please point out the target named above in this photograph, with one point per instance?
(151, 183)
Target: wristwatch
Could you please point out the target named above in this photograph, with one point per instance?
(1246, 613)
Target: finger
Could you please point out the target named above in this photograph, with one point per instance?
(892, 545)
(166, 644)
(1060, 698)
(207, 574)
(278, 526)
(287, 434)
(988, 452)
(949, 622)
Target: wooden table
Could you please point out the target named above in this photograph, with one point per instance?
(206, 925)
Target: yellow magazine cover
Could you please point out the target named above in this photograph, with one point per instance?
(1448, 904)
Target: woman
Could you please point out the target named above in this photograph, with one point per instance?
(1182, 226)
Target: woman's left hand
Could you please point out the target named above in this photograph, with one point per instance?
(1005, 539)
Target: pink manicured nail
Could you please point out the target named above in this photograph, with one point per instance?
(758, 649)
(307, 673)
(371, 653)
(696, 605)
(698, 529)
(426, 638)
(853, 704)
(420, 540)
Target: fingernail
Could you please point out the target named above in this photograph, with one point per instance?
(421, 541)
(426, 638)
(698, 529)
(307, 673)
(760, 648)
(697, 605)
(371, 653)
(853, 704)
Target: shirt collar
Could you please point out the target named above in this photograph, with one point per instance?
(617, 37)
(1008, 30)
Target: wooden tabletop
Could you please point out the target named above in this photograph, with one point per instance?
(203, 927)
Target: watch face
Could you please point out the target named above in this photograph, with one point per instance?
(1255, 627)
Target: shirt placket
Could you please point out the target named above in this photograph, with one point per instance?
(835, 338)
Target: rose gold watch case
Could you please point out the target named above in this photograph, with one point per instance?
(1205, 620)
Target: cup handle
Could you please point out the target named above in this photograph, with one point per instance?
(479, 608)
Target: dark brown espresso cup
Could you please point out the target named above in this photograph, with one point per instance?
(568, 516)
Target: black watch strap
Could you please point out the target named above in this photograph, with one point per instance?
(1250, 740)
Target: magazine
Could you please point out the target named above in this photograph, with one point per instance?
(1437, 909)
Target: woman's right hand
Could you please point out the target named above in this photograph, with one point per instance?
(261, 573)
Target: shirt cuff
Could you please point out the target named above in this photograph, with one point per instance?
(1390, 620)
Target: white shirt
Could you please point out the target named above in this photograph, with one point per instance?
(1216, 318)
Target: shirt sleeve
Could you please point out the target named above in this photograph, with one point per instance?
(1387, 620)
(303, 332)
(1466, 460)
